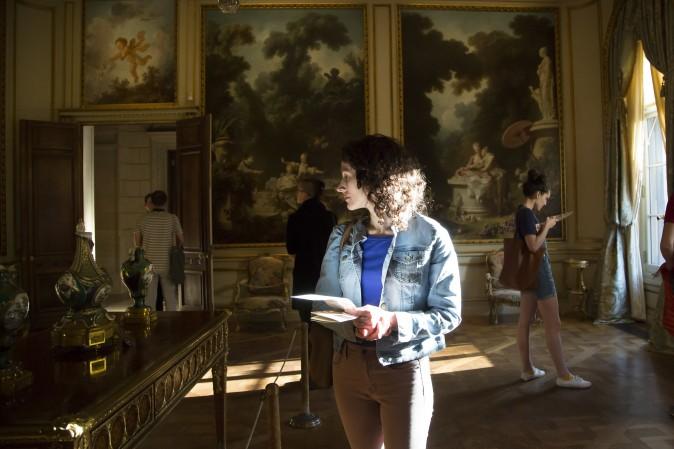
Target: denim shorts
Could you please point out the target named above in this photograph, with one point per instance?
(546, 282)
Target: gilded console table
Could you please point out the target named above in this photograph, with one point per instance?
(113, 399)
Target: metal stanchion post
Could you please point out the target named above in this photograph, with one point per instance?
(274, 416)
(306, 419)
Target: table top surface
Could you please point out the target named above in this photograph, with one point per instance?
(64, 384)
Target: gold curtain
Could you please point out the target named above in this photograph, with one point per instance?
(615, 282)
(657, 78)
(634, 102)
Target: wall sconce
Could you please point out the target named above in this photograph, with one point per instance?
(228, 6)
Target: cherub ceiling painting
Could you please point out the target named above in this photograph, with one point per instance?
(129, 53)
(481, 106)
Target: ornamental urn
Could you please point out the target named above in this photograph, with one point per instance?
(14, 307)
(137, 274)
(82, 288)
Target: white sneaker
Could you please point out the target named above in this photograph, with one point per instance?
(526, 377)
(574, 382)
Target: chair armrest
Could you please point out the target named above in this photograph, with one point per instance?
(241, 290)
(489, 284)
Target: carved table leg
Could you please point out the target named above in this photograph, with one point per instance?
(220, 397)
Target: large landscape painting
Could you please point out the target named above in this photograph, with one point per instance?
(480, 107)
(286, 86)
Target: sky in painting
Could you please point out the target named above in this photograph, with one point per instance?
(460, 25)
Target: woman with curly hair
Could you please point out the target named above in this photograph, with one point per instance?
(400, 270)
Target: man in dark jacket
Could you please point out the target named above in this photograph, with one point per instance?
(307, 237)
(307, 234)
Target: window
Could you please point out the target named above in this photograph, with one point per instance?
(654, 198)
(655, 183)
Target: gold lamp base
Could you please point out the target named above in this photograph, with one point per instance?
(14, 379)
(140, 316)
(74, 368)
(85, 331)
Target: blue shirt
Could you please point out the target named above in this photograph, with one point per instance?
(374, 253)
(526, 222)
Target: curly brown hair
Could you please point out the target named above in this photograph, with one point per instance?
(390, 175)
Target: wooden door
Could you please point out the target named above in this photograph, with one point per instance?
(49, 205)
(193, 207)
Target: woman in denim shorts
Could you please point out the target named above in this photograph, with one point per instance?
(544, 296)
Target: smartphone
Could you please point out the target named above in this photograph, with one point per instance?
(561, 217)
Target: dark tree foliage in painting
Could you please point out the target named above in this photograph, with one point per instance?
(499, 66)
(296, 107)
(156, 87)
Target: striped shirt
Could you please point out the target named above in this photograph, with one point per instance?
(158, 230)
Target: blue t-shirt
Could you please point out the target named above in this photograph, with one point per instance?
(374, 248)
(526, 222)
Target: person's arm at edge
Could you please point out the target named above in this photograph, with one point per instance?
(667, 245)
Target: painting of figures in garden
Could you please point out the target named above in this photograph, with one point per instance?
(480, 107)
(129, 53)
(286, 89)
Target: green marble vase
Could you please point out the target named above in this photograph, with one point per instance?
(14, 307)
(82, 288)
(137, 274)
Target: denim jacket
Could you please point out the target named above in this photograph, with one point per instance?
(420, 283)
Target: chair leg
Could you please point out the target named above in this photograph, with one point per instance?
(493, 312)
(237, 316)
(284, 324)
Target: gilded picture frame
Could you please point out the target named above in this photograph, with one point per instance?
(480, 106)
(3, 136)
(287, 87)
(129, 54)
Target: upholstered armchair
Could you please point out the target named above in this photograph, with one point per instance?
(264, 290)
(497, 293)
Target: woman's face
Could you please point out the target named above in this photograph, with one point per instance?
(541, 200)
(354, 197)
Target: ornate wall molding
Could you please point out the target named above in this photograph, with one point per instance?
(94, 117)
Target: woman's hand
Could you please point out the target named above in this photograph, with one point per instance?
(550, 222)
(374, 323)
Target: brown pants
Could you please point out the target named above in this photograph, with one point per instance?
(390, 405)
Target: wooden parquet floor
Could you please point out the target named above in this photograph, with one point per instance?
(479, 401)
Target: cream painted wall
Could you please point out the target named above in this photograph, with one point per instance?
(105, 173)
(30, 93)
(50, 29)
